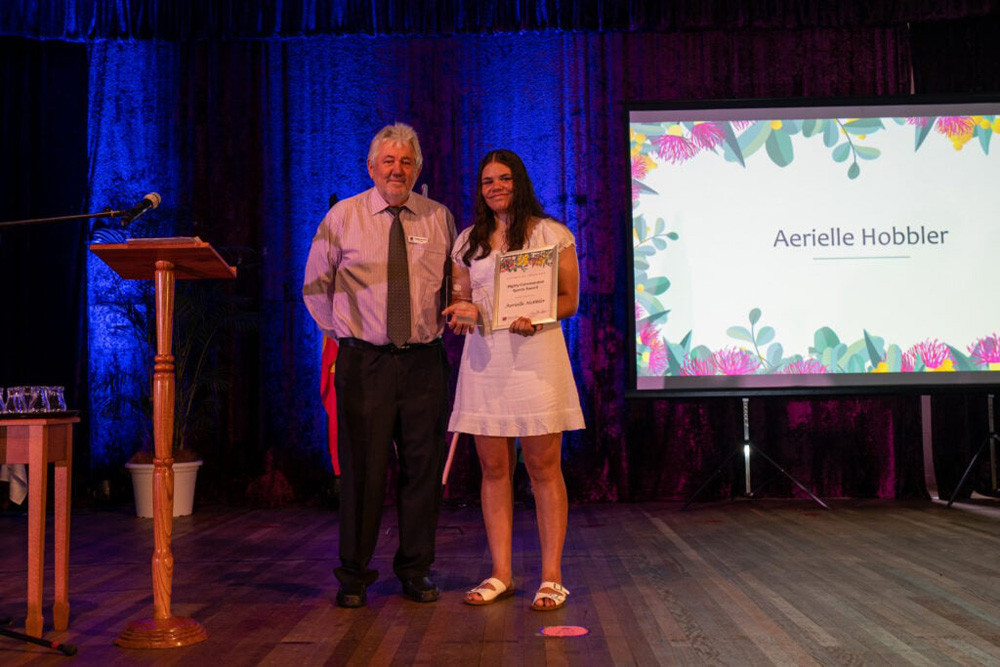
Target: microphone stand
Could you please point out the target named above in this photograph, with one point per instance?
(107, 213)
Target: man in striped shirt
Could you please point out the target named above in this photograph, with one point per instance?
(386, 391)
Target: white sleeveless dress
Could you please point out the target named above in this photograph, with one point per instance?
(511, 385)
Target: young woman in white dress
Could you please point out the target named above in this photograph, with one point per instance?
(517, 383)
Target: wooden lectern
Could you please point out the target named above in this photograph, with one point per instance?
(163, 260)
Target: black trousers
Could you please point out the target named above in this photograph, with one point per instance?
(386, 395)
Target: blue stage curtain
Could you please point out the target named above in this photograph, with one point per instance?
(134, 143)
(247, 139)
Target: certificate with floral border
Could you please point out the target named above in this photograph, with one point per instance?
(526, 286)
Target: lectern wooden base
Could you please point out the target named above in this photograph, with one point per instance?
(172, 632)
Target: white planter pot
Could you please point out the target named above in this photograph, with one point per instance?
(185, 476)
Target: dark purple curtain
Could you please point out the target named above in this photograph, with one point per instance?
(958, 56)
(467, 85)
(641, 449)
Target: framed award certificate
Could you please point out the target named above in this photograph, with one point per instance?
(526, 286)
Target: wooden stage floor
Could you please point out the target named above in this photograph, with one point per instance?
(738, 583)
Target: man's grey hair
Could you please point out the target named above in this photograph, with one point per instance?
(397, 133)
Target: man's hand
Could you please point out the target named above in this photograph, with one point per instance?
(461, 317)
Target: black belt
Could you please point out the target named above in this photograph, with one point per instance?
(390, 348)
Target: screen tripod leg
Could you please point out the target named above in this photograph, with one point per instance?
(790, 477)
(746, 448)
(708, 481)
(990, 439)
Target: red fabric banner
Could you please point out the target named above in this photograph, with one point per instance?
(329, 395)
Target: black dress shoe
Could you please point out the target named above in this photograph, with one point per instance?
(420, 589)
(351, 599)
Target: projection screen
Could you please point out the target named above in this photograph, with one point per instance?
(837, 247)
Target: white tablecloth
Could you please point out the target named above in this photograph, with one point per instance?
(17, 475)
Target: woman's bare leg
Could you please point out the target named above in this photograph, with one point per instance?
(543, 458)
(496, 458)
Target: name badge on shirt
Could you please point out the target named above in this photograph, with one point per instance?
(416, 239)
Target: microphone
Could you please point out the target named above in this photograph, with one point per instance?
(152, 200)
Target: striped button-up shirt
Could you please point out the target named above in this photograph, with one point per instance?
(345, 279)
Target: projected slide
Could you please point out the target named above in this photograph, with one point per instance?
(802, 247)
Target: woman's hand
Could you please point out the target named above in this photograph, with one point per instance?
(461, 317)
(522, 326)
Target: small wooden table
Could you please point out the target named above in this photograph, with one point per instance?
(38, 442)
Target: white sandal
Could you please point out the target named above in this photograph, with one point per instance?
(559, 597)
(489, 595)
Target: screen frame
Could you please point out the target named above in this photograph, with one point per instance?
(829, 384)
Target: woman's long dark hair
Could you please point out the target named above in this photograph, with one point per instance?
(523, 207)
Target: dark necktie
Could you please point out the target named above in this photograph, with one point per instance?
(398, 274)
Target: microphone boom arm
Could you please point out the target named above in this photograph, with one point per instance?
(109, 213)
(152, 200)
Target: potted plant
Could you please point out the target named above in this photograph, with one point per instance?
(203, 313)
